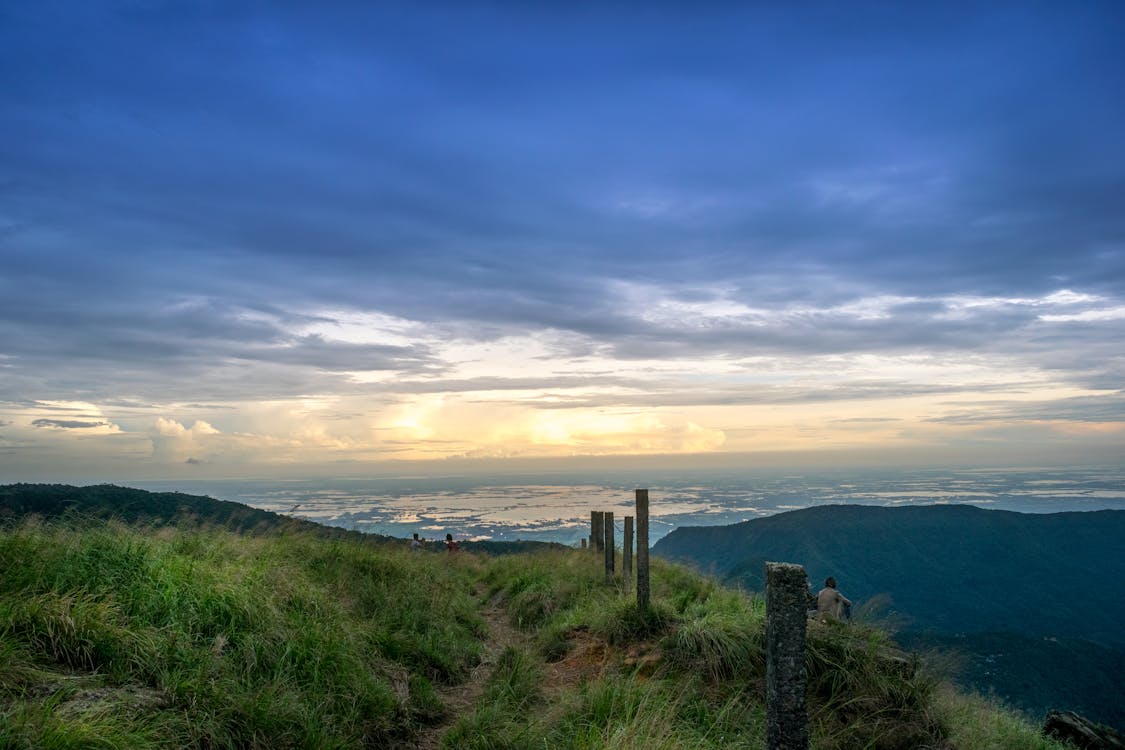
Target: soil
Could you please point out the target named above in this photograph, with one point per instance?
(587, 658)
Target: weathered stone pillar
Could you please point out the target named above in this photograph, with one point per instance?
(627, 556)
(787, 720)
(642, 549)
(609, 547)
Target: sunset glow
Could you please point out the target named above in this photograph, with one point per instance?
(250, 241)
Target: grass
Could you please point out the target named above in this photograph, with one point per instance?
(513, 690)
(977, 723)
(121, 637)
(246, 642)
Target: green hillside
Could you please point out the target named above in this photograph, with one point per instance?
(107, 501)
(140, 637)
(984, 583)
(110, 502)
(952, 568)
(1032, 673)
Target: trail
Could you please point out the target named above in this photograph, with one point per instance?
(587, 658)
(460, 699)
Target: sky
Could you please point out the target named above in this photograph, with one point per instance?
(274, 239)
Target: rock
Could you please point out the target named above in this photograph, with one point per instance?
(1081, 732)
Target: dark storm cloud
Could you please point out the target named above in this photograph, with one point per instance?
(492, 171)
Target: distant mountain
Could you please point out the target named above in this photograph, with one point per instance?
(1022, 597)
(105, 501)
(951, 568)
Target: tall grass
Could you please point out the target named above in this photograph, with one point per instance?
(501, 720)
(120, 637)
(977, 723)
(709, 689)
(287, 641)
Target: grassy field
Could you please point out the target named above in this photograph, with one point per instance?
(120, 637)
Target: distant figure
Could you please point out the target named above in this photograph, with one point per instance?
(415, 544)
(451, 545)
(830, 603)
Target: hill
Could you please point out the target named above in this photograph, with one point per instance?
(107, 501)
(193, 636)
(1034, 674)
(987, 582)
(955, 568)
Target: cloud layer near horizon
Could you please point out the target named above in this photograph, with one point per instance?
(234, 237)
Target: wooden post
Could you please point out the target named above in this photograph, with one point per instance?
(583, 543)
(642, 549)
(787, 719)
(627, 555)
(593, 531)
(609, 546)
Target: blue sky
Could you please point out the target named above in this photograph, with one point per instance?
(240, 238)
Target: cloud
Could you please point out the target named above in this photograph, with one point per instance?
(1088, 411)
(67, 424)
(174, 442)
(544, 216)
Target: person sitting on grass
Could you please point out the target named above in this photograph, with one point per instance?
(830, 603)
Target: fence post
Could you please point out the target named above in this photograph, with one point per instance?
(642, 549)
(787, 720)
(594, 531)
(609, 546)
(627, 555)
(583, 543)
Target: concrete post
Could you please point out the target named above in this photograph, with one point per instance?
(609, 547)
(627, 555)
(787, 719)
(642, 549)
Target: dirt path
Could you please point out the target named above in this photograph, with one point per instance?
(587, 658)
(460, 699)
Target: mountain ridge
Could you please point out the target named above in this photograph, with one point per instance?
(985, 583)
(998, 563)
(132, 505)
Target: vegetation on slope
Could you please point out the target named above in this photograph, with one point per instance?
(1032, 674)
(108, 501)
(112, 636)
(1025, 600)
(952, 568)
(130, 505)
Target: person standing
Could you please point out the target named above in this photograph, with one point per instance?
(415, 544)
(451, 545)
